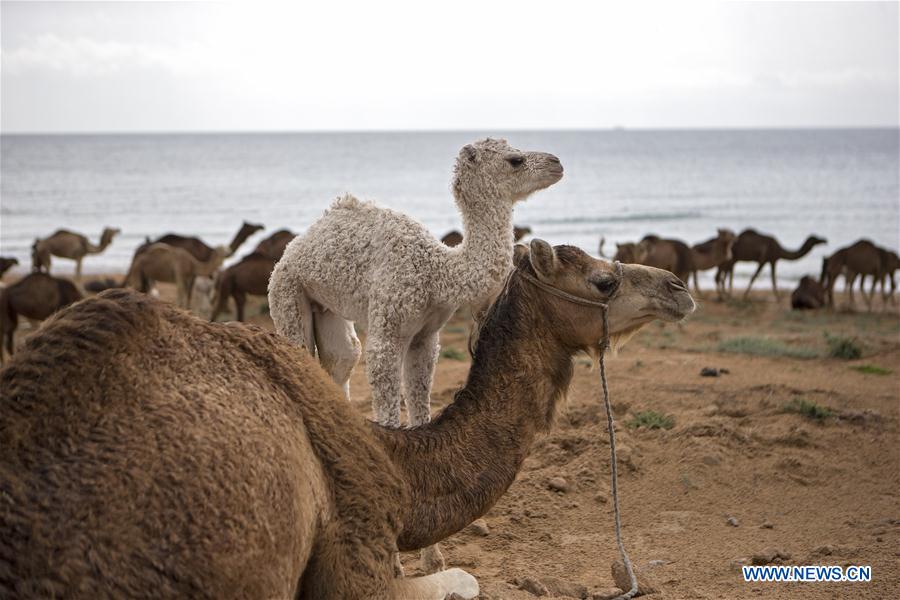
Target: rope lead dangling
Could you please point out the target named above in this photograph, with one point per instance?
(613, 464)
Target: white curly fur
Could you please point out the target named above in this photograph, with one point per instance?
(384, 270)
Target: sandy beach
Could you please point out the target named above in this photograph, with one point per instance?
(788, 449)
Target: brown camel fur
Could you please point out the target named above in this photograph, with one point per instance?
(36, 296)
(455, 238)
(148, 452)
(762, 249)
(809, 295)
(274, 245)
(249, 276)
(859, 259)
(672, 255)
(890, 262)
(629, 253)
(68, 244)
(170, 264)
(198, 248)
(6, 263)
(712, 253)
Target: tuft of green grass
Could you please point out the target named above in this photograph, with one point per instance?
(763, 346)
(842, 347)
(453, 354)
(808, 409)
(871, 370)
(651, 420)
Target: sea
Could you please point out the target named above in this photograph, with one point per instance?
(840, 184)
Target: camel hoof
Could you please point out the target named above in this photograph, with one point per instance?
(432, 560)
(460, 584)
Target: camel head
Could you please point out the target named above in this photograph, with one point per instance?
(109, 233)
(491, 170)
(248, 229)
(631, 253)
(635, 294)
(726, 237)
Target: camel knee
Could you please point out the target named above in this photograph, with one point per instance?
(437, 586)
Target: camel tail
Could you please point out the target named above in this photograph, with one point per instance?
(291, 310)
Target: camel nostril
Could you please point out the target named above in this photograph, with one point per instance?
(676, 285)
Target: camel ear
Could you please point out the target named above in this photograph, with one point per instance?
(469, 152)
(543, 258)
(520, 254)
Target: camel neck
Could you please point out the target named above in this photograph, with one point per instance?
(456, 467)
(795, 254)
(485, 254)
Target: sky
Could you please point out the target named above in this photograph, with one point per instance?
(409, 65)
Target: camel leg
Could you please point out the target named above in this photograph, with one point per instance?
(291, 312)
(240, 299)
(78, 270)
(436, 586)
(697, 284)
(871, 298)
(731, 280)
(752, 279)
(383, 363)
(339, 348)
(850, 279)
(774, 282)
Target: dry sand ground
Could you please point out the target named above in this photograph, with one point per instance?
(828, 490)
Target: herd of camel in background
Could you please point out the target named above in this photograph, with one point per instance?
(191, 264)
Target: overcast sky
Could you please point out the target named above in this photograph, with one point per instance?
(461, 64)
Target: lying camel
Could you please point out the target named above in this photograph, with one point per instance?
(36, 296)
(809, 295)
(712, 253)
(147, 451)
(274, 245)
(170, 264)
(200, 250)
(249, 276)
(455, 238)
(68, 244)
(859, 259)
(6, 263)
(763, 249)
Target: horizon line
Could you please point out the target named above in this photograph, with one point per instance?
(610, 129)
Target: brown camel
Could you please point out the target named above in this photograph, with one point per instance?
(198, 248)
(809, 295)
(672, 255)
(249, 276)
(712, 253)
(36, 296)
(68, 244)
(455, 238)
(170, 264)
(762, 249)
(858, 259)
(274, 245)
(6, 263)
(890, 262)
(148, 452)
(630, 253)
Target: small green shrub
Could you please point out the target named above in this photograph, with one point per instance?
(651, 420)
(842, 347)
(808, 409)
(871, 370)
(762, 346)
(453, 354)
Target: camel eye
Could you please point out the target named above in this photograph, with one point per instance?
(606, 286)
(516, 161)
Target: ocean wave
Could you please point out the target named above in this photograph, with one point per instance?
(637, 217)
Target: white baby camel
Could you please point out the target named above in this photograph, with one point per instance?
(383, 269)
